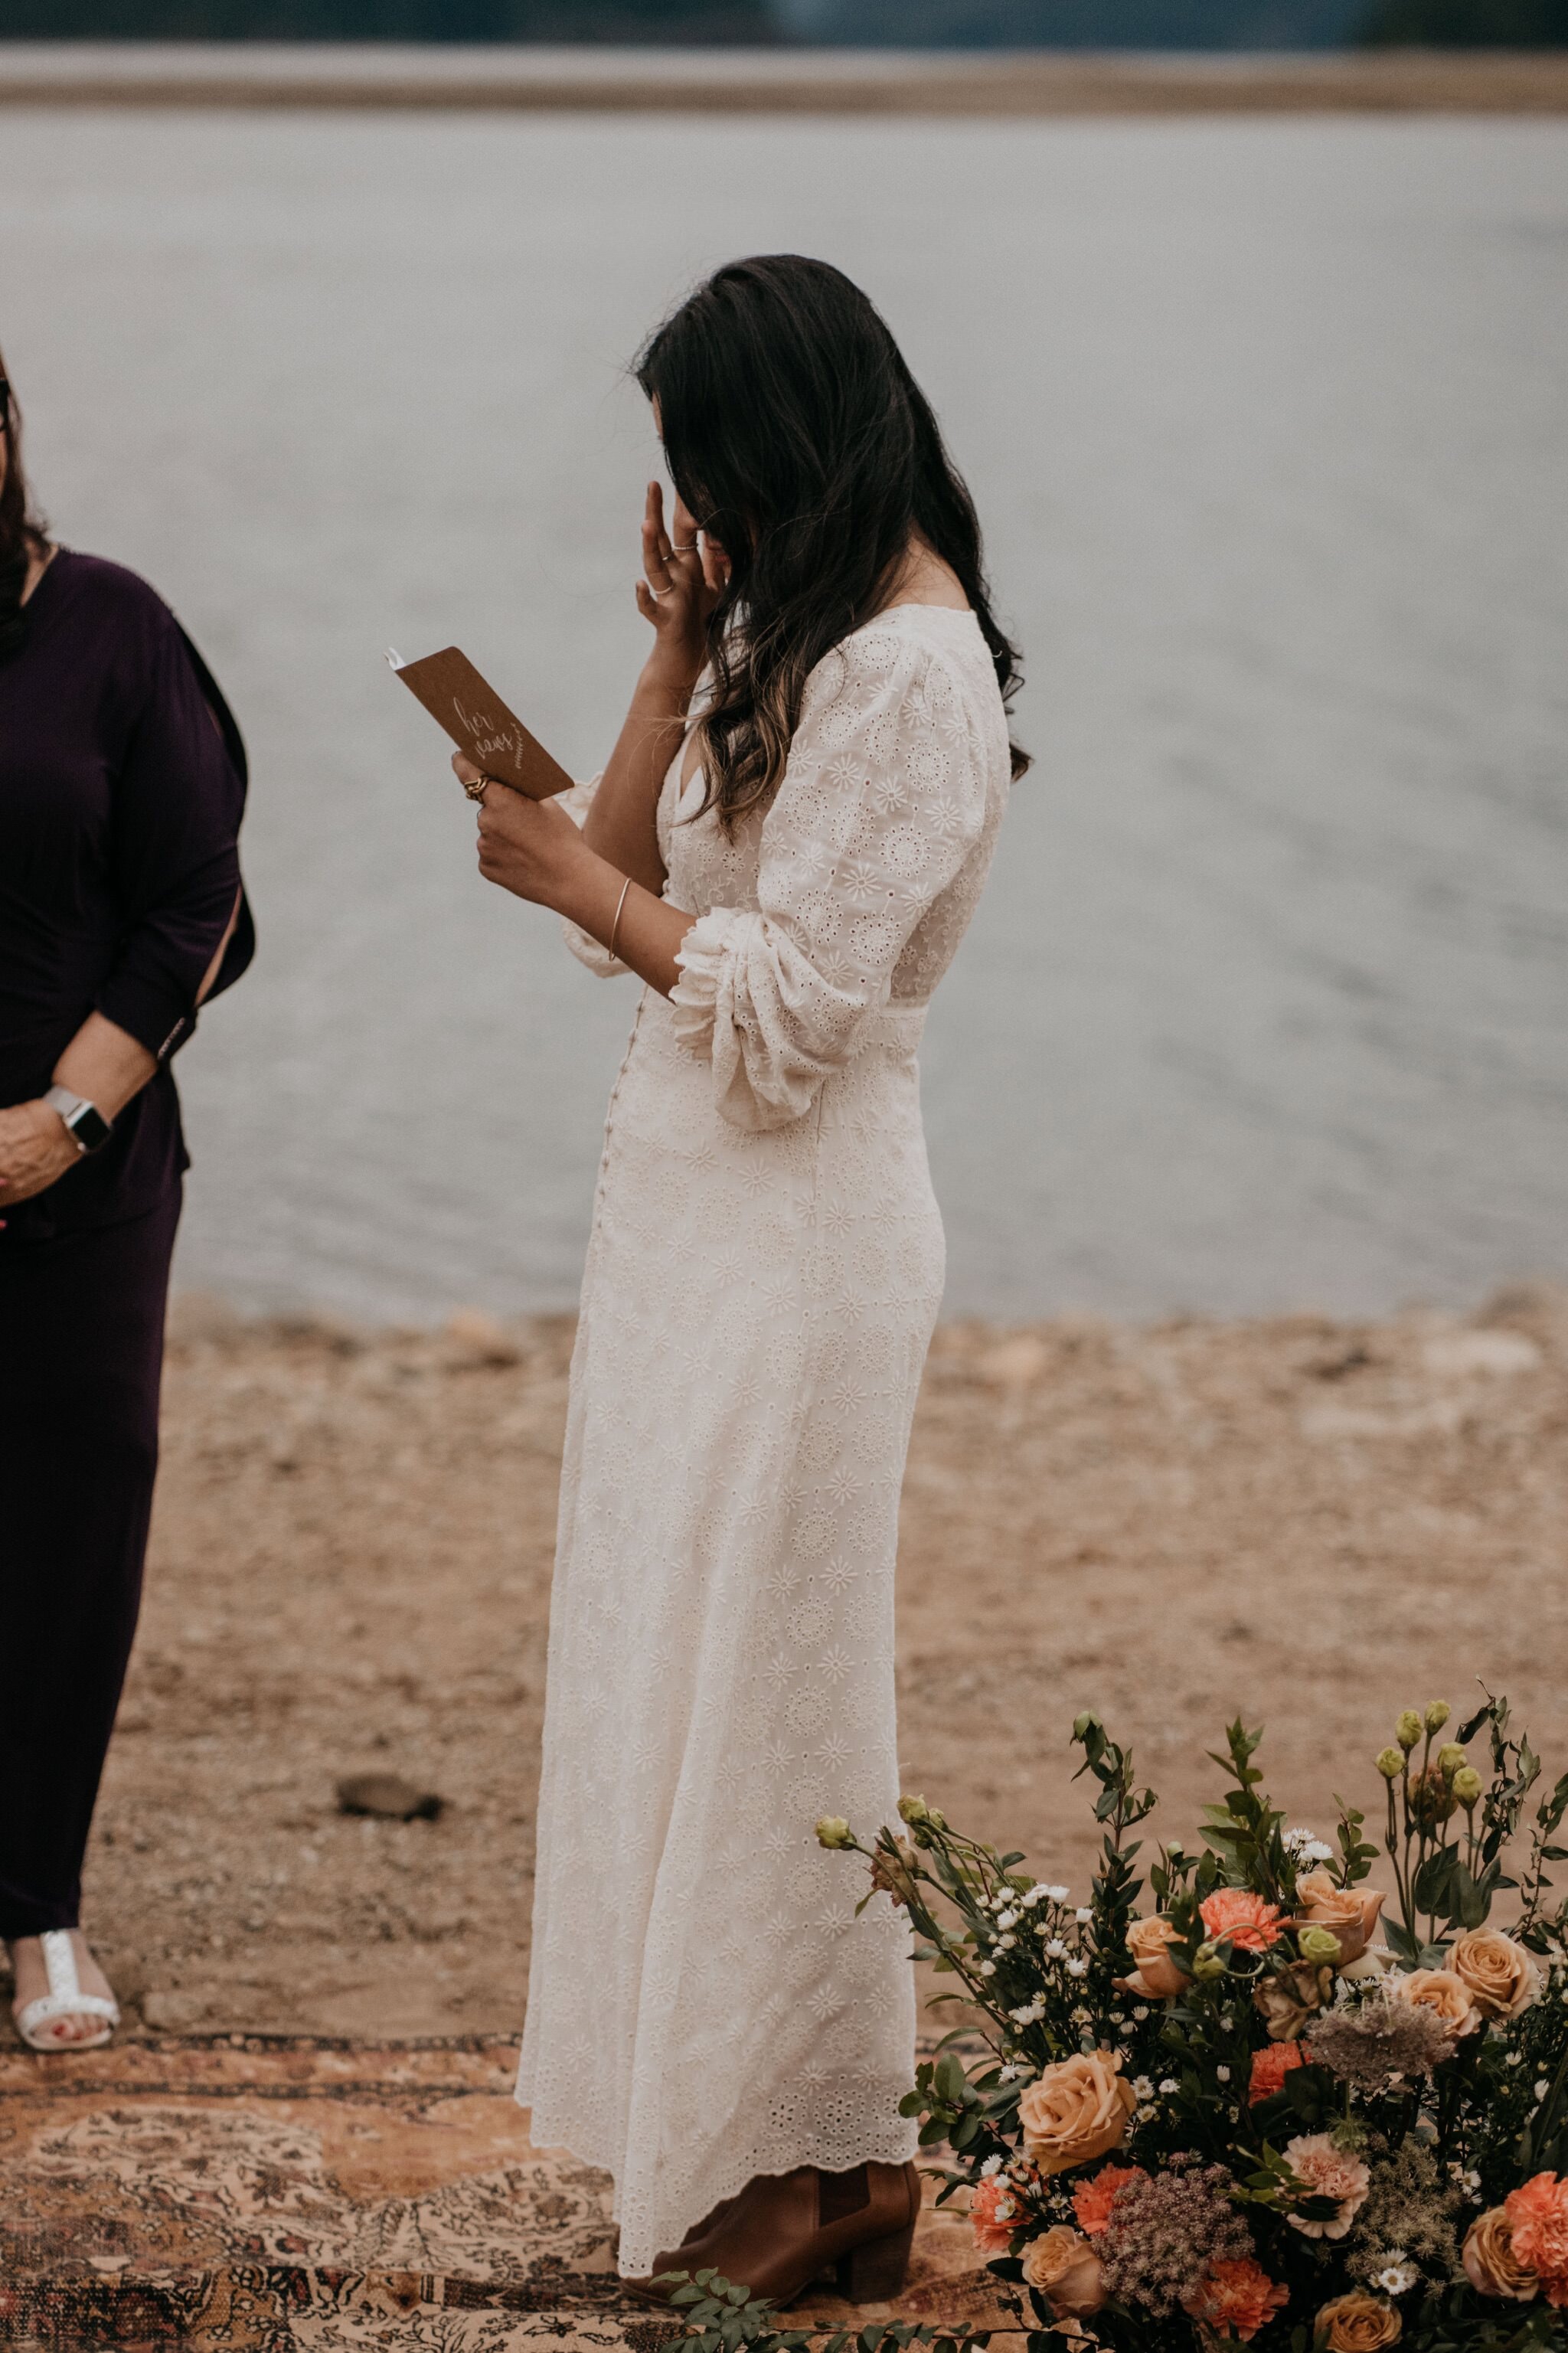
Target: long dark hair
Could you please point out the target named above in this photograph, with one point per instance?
(799, 438)
(21, 529)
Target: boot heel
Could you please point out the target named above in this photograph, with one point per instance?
(875, 2272)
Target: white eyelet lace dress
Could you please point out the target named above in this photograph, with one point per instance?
(764, 1272)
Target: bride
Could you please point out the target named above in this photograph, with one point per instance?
(790, 872)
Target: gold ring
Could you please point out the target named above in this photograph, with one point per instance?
(475, 786)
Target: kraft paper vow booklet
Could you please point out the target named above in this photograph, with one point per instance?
(480, 723)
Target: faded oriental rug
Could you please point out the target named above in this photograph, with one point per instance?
(281, 2194)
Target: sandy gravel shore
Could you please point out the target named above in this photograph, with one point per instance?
(1310, 1523)
(781, 80)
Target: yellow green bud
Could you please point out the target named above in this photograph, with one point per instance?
(1466, 1785)
(1207, 1962)
(1320, 1946)
(914, 1809)
(1437, 1715)
(1391, 1763)
(833, 1831)
(1407, 1730)
(1450, 1756)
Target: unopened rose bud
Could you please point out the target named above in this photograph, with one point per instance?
(1437, 1715)
(914, 1809)
(1207, 1962)
(1466, 1785)
(1450, 1756)
(1391, 1763)
(833, 1831)
(1407, 1730)
(1319, 1946)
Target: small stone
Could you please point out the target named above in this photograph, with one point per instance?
(388, 1796)
(168, 2010)
(479, 1339)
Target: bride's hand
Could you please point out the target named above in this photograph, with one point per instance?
(683, 579)
(530, 848)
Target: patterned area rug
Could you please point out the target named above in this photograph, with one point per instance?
(267, 2194)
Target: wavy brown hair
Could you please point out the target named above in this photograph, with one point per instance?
(800, 441)
(22, 531)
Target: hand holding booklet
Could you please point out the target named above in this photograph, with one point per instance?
(480, 723)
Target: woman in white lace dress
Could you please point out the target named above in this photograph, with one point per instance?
(790, 875)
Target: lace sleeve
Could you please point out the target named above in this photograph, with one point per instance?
(582, 945)
(881, 801)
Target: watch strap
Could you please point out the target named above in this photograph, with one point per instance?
(90, 1131)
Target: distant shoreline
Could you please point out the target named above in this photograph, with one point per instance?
(998, 84)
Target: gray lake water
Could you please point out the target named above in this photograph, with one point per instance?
(1268, 422)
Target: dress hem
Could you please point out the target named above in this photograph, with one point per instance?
(891, 2147)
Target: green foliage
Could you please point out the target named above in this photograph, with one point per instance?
(725, 2318)
(1466, 25)
(1443, 2129)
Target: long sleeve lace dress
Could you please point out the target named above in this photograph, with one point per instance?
(764, 1275)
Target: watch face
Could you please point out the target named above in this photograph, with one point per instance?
(90, 1127)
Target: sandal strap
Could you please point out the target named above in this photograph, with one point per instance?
(64, 1998)
(59, 1961)
(66, 2005)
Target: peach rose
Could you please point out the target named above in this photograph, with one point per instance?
(1251, 1925)
(1075, 2110)
(994, 2213)
(1538, 2228)
(1490, 2265)
(1328, 2172)
(1500, 1976)
(1349, 1914)
(1357, 2323)
(1064, 2270)
(1270, 2068)
(1155, 1975)
(1441, 1991)
(1093, 2200)
(1235, 2298)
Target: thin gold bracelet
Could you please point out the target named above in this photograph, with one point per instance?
(616, 926)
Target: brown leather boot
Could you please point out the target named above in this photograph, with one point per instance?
(786, 2230)
(699, 2230)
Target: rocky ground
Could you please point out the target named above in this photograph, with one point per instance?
(1310, 1523)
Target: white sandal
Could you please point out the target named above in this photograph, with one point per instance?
(65, 1998)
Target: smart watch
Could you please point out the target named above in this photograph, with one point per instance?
(90, 1131)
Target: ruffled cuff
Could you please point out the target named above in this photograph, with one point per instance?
(757, 1084)
(706, 957)
(582, 945)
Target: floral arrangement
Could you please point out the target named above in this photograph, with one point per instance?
(1263, 2101)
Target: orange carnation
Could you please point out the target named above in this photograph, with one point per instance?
(995, 2214)
(1538, 2230)
(1235, 2298)
(1244, 1919)
(1093, 2201)
(1270, 2068)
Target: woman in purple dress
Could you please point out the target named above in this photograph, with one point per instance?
(121, 783)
